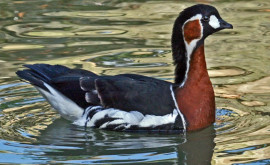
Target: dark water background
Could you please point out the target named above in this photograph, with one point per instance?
(113, 37)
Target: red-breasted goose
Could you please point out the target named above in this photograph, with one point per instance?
(130, 102)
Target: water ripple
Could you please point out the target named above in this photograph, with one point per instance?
(114, 37)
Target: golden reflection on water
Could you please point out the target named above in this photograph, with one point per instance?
(135, 38)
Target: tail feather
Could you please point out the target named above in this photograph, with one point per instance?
(60, 78)
(34, 78)
(48, 72)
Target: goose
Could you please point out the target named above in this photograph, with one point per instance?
(131, 102)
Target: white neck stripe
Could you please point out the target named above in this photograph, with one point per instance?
(190, 46)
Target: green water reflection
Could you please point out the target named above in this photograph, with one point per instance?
(113, 37)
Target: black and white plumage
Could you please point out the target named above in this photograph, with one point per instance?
(122, 102)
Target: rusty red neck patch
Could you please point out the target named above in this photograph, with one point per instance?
(196, 100)
(192, 30)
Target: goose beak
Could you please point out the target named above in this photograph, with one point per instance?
(225, 25)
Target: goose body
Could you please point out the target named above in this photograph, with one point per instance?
(130, 102)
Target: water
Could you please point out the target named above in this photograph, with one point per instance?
(113, 37)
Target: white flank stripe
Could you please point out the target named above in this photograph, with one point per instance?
(179, 112)
(126, 119)
(152, 120)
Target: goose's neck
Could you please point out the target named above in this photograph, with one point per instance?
(183, 66)
(196, 67)
(196, 98)
(186, 40)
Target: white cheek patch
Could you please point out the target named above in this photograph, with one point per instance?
(214, 22)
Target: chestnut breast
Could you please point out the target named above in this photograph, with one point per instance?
(196, 98)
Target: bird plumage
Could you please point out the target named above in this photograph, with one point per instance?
(130, 102)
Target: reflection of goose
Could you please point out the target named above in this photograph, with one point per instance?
(98, 146)
(134, 102)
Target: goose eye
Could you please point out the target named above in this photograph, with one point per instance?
(205, 18)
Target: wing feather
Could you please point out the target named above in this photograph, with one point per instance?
(129, 94)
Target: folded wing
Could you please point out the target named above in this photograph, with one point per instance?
(129, 94)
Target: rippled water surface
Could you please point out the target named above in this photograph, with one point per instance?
(112, 37)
